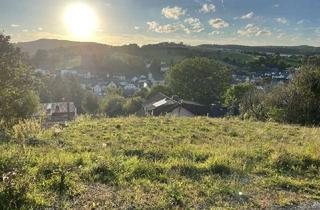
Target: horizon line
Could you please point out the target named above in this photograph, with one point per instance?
(170, 42)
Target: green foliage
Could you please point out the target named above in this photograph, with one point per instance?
(253, 106)
(90, 103)
(17, 99)
(199, 79)
(133, 105)
(113, 106)
(59, 89)
(235, 95)
(26, 130)
(296, 102)
(160, 89)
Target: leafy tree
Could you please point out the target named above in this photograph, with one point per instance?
(304, 96)
(160, 88)
(113, 106)
(253, 106)
(133, 105)
(16, 98)
(41, 59)
(296, 102)
(234, 96)
(90, 103)
(199, 79)
(66, 88)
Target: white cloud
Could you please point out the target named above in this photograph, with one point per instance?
(218, 23)
(300, 22)
(173, 12)
(216, 33)
(195, 24)
(253, 30)
(264, 32)
(281, 35)
(281, 20)
(136, 28)
(247, 16)
(166, 29)
(276, 5)
(25, 30)
(15, 25)
(40, 29)
(206, 8)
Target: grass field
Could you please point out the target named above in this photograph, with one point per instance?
(161, 163)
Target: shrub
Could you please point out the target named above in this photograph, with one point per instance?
(252, 105)
(133, 105)
(14, 195)
(296, 102)
(90, 103)
(113, 106)
(25, 130)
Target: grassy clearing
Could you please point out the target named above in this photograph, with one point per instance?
(162, 163)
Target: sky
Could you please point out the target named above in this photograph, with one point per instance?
(119, 22)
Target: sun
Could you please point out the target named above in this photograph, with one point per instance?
(80, 20)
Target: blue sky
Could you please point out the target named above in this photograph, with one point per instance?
(249, 22)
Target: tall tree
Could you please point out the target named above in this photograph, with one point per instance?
(15, 83)
(199, 79)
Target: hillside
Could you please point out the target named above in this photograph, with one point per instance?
(52, 44)
(161, 163)
(290, 50)
(130, 59)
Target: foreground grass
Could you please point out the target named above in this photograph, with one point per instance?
(162, 163)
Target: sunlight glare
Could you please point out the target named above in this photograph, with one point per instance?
(80, 20)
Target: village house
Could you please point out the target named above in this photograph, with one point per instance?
(112, 85)
(99, 89)
(65, 72)
(164, 67)
(41, 71)
(148, 64)
(85, 75)
(58, 112)
(161, 104)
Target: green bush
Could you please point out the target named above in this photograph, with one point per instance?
(25, 130)
(113, 106)
(132, 105)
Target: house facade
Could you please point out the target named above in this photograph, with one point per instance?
(59, 111)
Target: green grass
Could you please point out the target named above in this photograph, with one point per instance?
(162, 163)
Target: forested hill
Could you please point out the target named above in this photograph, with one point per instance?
(300, 50)
(50, 44)
(131, 59)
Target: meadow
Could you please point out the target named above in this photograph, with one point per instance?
(160, 163)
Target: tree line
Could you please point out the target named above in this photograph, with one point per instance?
(198, 79)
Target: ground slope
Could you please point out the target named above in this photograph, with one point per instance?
(163, 163)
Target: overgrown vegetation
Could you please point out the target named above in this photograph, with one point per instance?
(295, 102)
(17, 99)
(159, 163)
